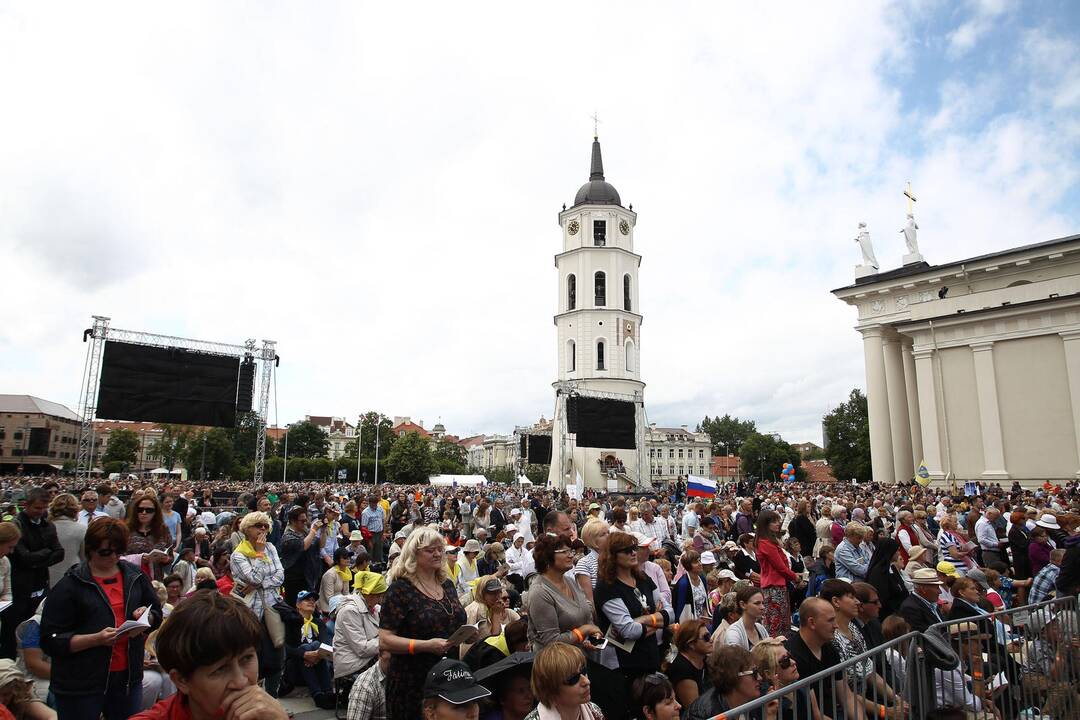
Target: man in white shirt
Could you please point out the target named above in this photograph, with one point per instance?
(649, 526)
(519, 558)
(90, 508)
(987, 537)
(669, 522)
(691, 519)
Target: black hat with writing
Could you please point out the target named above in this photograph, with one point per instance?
(452, 681)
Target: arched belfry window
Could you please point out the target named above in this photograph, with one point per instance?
(571, 292)
(631, 361)
(600, 355)
(627, 305)
(571, 356)
(600, 289)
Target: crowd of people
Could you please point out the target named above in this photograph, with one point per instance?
(166, 601)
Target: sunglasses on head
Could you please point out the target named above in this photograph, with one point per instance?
(655, 678)
(576, 677)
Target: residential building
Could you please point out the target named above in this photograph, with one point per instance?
(37, 435)
(727, 468)
(404, 425)
(147, 432)
(674, 453)
(805, 448)
(338, 430)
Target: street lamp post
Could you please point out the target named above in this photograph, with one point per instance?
(359, 437)
(378, 419)
(761, 477)
(202, 470)
(285, 465)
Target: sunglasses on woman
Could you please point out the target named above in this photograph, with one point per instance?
(146, 511)
(785, 662)
(576, 677)
(627, 551)
(752, 671)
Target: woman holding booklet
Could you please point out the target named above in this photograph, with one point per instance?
(94, 628)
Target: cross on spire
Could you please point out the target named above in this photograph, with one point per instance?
(910, 199)
(595, 125)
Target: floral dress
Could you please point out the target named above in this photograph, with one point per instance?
(410, 613)
(140, 544)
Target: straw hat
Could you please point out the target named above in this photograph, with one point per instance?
(925, 576)
(916, 552)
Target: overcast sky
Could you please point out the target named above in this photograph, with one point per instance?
(375, 186)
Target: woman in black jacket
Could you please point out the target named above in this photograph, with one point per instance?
(883, 574)
(95, 670)
(1019, 539)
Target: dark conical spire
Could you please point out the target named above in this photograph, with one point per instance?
(596, 172)
(597, 191)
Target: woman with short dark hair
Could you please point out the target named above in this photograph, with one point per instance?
(208, 647)
(96, 671)
(557, 609)
(653, 698)
(735, 681)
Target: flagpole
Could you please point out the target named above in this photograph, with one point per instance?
(359, 437)
(377, 419)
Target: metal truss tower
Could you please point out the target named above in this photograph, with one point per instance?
(88, 397)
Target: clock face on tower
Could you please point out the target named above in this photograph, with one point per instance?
(573, 227)
(624, 227)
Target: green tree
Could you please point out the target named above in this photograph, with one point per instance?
(123, 447)
(245, 437)
(847, 437)
(538, 474)
(450, 458)
(410, 460)
(766, 453)
(727, 433)
(367, 436)
(170, 446)
(502, 475)
(306, 440)
(219, 458)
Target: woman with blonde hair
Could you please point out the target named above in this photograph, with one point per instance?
(560, 683)
(64, 513)
(594, 533)
(420, 612)
(258, 575)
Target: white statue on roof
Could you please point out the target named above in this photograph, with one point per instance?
(863, 238)
(909, 231)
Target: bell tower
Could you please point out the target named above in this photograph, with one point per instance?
(598, 330)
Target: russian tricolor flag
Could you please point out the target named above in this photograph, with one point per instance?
(700, 487)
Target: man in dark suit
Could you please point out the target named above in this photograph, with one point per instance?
(920, 608)
(37, 550)
(497, 518)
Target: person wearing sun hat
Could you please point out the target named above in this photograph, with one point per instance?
(356, 630)
(451, 692)
(920, 608)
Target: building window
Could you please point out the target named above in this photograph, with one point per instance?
(671, 453)
(600, 289)
(599, 233)
(571, 292)
(629, 356)
(671, 469)
(571, 355)
(680, 453)
(680, 469)
(701, 469)
(600, 355)
(626, 305)
(700, 454)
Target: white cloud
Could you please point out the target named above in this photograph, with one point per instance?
(984, 15)
(376, 188)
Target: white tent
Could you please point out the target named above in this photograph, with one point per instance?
(458, 480)
(522, 480)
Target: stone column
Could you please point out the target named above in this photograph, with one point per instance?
(1072, 367)
(989, 415)
(928, 411)
(877, 400)
(900, 425)
(911, 389)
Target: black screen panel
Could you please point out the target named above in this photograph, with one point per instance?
(539, 450)
(167, 385)
(602, 423)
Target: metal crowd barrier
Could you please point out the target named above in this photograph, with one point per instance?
(1020, 663)
(1017, 664)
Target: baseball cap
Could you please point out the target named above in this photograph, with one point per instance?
(947, 568)
(492, 585)
(594, 506)
(304, 595)
(727, 574)
(452, 681)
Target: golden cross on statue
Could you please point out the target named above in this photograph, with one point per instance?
(595, 125)
(910, 199)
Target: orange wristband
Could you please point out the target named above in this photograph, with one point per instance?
(579, 635)
(881, 712)
(412, 647)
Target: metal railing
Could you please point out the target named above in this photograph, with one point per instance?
(1022, 663)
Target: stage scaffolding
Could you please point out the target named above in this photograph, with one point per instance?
(101, 331)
